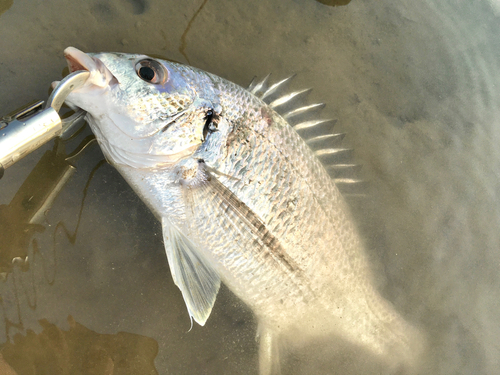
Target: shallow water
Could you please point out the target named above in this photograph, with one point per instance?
(415, 87)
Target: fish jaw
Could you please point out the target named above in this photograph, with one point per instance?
(106, 119)
(99, 82)
(100, 75)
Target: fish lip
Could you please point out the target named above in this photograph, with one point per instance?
(78, 60)
(100, 75)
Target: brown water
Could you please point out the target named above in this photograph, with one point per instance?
(414, 86)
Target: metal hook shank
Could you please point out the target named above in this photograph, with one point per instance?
(71, 82)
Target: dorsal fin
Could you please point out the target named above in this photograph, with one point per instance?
(318, 133)
(259, 87)
(276, 88)
(300, 114)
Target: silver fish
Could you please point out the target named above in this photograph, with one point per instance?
(242, 199)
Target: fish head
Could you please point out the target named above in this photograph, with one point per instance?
(145, 112)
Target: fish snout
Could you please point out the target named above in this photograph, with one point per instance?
(100, 75)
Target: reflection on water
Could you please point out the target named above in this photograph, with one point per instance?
(414, 86)
(23, 216)
(21, 257)
(79, 351)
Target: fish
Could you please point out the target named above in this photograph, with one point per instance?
(243, 199)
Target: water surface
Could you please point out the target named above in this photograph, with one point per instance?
(414, 86)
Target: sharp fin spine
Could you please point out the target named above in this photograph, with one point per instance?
(304, 113)
(343, 170)
(252, 83)
(316, 133)
(335, 155)
(326, 141)
(261, 86)
(275, 88)
(312, 128)
(287, 98)
(351, 187)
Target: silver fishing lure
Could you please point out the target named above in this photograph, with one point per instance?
(243, 199)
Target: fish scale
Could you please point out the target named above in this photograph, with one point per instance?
(244, 200)
(351, 267)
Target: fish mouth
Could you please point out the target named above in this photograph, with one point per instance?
(78, 60)
(100, 75)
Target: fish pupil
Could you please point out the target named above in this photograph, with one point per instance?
(146, 73)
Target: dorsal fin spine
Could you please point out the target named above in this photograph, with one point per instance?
(286, 98)
(272, 89)
(317, 133)
(326, 141)
(262, 85)
(302, 110)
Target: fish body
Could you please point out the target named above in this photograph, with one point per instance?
(242, 199)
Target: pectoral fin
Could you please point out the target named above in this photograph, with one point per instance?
(197, 280)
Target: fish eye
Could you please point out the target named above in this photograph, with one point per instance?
(151, 71)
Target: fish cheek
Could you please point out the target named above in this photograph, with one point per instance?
(179, 135)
